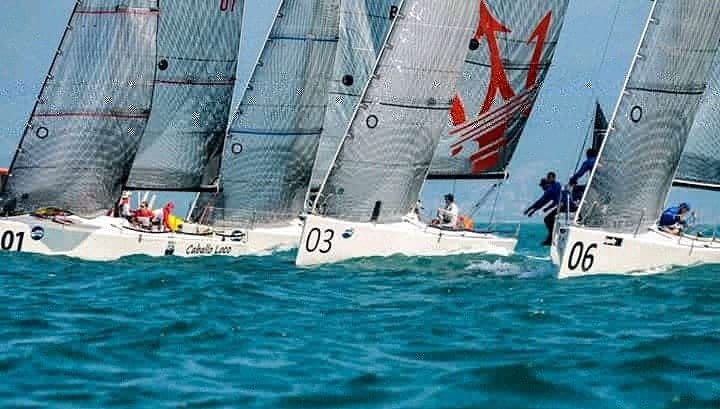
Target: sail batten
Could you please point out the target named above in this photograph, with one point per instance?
(509, 57)
(92, 111)
(653, 117)
(198, 47)
(384, 156)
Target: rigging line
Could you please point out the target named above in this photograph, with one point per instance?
(593, 77)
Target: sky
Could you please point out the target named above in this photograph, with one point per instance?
(591, 61)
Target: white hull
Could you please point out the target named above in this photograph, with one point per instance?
(326, 240)
(105, 238)
(580, 251)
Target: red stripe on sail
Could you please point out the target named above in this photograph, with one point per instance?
(457, 111)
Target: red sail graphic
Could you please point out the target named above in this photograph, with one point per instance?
(489, 133)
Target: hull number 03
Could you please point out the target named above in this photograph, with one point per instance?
(581, 256)
(319, 240)
(11, 241)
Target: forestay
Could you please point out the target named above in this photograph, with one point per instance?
(700, 162)
(274, 136)
(77, 148)
(364, 25)
(198, 46)
(386, 151)
(509, 57)
(653, 117)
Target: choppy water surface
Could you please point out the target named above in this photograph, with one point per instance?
(455, 332)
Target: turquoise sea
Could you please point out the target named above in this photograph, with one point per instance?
(256, 332)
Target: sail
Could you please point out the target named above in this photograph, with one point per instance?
(700, 161)
(77, 148)
(198, 46)
(273, 139)
(653, 117)
(509, 57)
(364, 25)
(600, 126)
(386, 151)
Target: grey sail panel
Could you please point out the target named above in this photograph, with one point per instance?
(700, 162)
(364, 25)
(198, 46)
(653, 118)
(600, 127)
(273, 138)
(91, 113)
(386, 152)
(510, 55)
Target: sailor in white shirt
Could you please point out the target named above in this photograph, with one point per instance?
(448, 216)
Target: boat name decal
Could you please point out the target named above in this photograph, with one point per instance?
(207, 249)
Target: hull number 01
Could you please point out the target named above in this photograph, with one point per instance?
(582, 257)
(319, 240)
(11, 241)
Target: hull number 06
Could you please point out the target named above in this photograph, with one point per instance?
(581, 256)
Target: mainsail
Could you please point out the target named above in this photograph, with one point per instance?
(198, 46)
(273, 138)
(509, 57)
(77, 148)
(386, 151)
(700, 162)
(653, 117)
(364, 25)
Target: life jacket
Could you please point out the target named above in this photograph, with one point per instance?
(465, 223)
(173, 222)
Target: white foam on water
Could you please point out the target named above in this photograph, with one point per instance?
(497, 267)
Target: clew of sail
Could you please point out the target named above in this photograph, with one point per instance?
(600, 127)
(642, 150)
(198, 46)
(700, 163)
(386, 151)
(84, 131)
(364, 25)
(273, 138)
(509, 57)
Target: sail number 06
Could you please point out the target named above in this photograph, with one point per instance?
(319, 241)
(11, 241)
(580, 256)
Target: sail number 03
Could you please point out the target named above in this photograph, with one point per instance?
(318, 240)
(12, 241)
(226, 5)
(581, 256)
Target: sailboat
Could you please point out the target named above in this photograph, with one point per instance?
(115, 65)
(273, 139)
(614, 230)
(362, 206)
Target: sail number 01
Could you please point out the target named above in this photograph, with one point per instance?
(11, 241)
(580, 256)
(318, 240)
(226, 5)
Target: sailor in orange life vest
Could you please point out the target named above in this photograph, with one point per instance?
(167, 220)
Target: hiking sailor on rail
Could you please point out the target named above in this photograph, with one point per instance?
(551, 195)
(448, 216)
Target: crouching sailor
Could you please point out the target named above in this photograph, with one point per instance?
(551, 196)
(674, 219)
(448, 216)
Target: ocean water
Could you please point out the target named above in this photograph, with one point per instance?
(452, 332)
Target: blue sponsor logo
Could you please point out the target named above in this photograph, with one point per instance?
(348, 233)
(37, 233)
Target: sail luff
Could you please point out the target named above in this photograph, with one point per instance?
(91, 112)
(653, 117)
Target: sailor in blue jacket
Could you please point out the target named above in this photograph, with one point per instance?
(552, 190)
(587, 166)
(673, 220)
